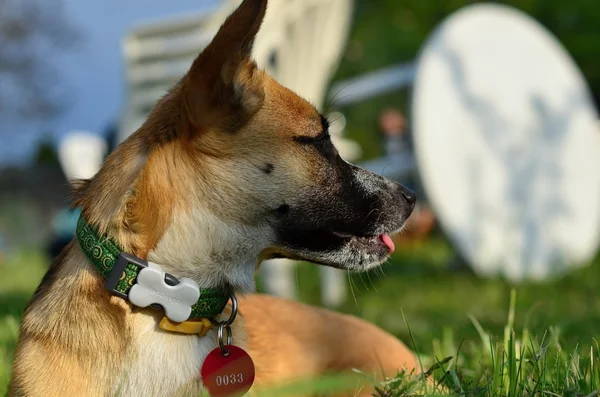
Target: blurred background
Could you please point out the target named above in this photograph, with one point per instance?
(77, 77)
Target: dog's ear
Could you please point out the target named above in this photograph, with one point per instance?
(222, 87)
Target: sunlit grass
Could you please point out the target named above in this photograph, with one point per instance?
(21, 273)
(476, 337)
(515, 363)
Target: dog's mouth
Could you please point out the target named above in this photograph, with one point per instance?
(355, 251)
(382, 242)
(344, 245)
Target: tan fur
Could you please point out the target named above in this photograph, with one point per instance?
(292, 341)
(69, 322)
(197, 189)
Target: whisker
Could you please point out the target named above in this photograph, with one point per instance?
(363, 282)
(352, 288)
(371, 281)
(334, 97)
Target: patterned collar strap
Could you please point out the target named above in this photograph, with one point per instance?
(121, 271)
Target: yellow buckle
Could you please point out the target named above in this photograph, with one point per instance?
(190, 327)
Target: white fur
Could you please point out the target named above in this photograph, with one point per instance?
(204, 248)
(162, 362)
(347, 257)
(350, 255)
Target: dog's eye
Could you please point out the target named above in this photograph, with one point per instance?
(322, 143)
(307, 140)
(322, 138)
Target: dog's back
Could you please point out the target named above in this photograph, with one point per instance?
(293, 341)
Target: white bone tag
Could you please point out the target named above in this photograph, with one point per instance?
(151, 288)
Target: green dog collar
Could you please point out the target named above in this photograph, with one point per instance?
(121, 270)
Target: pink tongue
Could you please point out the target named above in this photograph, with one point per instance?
(388, 242)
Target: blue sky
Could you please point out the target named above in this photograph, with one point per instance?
(94, 71)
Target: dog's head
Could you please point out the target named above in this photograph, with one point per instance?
(231, 166)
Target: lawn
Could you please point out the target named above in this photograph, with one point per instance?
(21, 273)
(542, 343)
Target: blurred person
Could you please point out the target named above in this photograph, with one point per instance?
(393, 124)
(397, 142)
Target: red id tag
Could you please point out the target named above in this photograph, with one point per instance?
(228, 376)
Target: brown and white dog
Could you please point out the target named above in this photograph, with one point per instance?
(230, 169)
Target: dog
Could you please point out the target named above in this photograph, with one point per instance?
(229, 169)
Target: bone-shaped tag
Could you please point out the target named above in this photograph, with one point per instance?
(151, 288)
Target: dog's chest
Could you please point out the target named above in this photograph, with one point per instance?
(161, 363)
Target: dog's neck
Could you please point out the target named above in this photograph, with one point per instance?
(160, 218)
(202, 247)
(111, 334)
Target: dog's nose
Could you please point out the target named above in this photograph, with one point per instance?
(409, 195)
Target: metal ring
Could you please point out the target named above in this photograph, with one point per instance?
(234, 310)
(223, 346)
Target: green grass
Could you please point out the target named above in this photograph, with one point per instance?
(503, 340)
(21, 273)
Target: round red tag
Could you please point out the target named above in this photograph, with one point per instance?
(228, 376)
